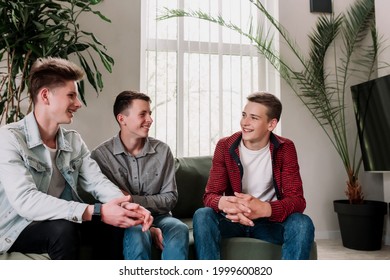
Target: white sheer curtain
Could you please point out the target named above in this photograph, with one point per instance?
(198, 74)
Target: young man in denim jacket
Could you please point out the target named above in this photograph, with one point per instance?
(42, 166)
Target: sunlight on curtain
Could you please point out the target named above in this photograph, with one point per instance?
(198, 74)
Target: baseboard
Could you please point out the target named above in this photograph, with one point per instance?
(336, 235)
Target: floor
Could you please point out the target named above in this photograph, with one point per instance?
(334, 250)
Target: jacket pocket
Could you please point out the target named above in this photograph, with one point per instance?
(72, 171)
(36, 165)
(39, 170)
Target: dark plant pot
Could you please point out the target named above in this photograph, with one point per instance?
(361, 225)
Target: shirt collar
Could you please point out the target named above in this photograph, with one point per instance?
(119, 148)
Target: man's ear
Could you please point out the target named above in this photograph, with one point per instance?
(272, 124)
(121, 119)
(43, 95)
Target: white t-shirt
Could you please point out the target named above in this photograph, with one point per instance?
(257, 180)
(57, 181)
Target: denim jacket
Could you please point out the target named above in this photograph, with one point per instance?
(25, 172)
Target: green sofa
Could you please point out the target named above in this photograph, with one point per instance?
(191, 178)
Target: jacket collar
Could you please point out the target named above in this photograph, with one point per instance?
(275, 141)
(33, 137)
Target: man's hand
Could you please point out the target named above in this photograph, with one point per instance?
(244, 208)
(258, 208)
(235, 211)
(157, 237)
(146, 216)
(133, 214)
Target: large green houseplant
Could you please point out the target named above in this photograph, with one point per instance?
(323, 87)
(40, 28)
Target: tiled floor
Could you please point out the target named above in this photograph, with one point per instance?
(334, 250)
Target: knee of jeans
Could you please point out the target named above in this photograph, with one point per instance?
(135, 234)
(133, 229)
(178, 236)
(203, 214)
(182, 229)
(205, 221)
(179, 231)
(303, 224)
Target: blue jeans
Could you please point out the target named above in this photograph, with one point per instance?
(295, 234)
(137, 245)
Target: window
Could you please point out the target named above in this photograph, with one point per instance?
(198, 74)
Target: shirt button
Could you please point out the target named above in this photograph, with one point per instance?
(8, 240)
(74, 219)
(135, 177)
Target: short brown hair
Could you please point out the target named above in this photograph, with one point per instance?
(52, 72)
(270, 101)
(125, 99)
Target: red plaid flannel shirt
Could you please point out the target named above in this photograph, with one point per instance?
(226, 174)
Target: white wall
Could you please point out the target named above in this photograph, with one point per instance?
(322, 173)
(96, 122)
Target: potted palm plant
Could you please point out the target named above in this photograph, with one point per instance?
(325, 90)
(40, 28)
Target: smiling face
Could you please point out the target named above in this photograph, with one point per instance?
(256, 126)
(63, 102)
(136, 120)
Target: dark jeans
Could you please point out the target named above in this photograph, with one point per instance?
(65, 240)
(59, 238)
(101, 241)
(295, 234)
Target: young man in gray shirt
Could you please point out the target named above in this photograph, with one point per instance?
(143, 167)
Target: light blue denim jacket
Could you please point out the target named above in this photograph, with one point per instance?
(25, 172)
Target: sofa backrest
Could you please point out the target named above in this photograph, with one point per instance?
(191, 178)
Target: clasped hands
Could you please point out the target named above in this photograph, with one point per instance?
(126, 214)
(120, 212)
(244, 208)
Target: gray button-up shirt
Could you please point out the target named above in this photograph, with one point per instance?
(149, 177)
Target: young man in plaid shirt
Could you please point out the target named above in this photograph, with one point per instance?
(255, 188)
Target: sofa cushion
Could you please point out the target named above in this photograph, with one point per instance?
(21, 256)
(245, 248)
(191, 178)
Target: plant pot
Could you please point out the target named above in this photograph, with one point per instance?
(361, 225)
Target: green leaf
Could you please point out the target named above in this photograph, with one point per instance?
(88, 72)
